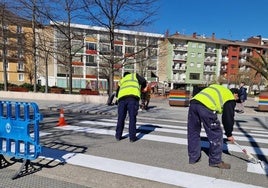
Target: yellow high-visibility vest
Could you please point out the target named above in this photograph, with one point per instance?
(214, 97)
(129, 85)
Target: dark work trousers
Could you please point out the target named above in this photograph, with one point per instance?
(130, 105)
(200, 114)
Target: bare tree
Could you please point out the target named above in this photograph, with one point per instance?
(118, 14)
(45, 46)
(259, 64)
(62, 13)
(12, 26)
(3, 43)
(30, 10)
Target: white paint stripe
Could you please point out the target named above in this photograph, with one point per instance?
(258, 168)
(166, 139)
(139, 123)
(167, 176)
(259, 131)
(181, 141)
(142, 126)
(263, 131)
(167, 120)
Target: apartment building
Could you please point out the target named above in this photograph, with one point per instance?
(134, 52)
(15, 48)
(175, 60)
(200, 60)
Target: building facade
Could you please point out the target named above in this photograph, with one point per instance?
(15, 48)
(198, 60)
(171, 60)
(134, 52)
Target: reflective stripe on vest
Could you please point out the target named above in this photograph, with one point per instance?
(209, 94)
(129, 85)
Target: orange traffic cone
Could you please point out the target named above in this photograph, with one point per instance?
(61, 119)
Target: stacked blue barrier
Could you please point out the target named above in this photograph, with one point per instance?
(19, 130)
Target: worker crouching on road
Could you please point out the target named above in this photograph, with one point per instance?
(145, 97)
(128, 96)
(204, 107)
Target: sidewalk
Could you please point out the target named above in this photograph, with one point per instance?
(158, 107)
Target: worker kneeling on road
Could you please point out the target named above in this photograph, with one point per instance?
(204, 107)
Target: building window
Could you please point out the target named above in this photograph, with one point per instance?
(233, 66)
(104, 38)
(118, 50)
(191, 64)
(234, 49)
(20, 66)
(105, 48)
(21, 77)
(90, 60)
(91, 46)
(192, 54)
(129, 50)
(19, 29)
(234, 57)
(7, 65)
(193, 45)
(194, 76)
(78, 70)
(130, 40)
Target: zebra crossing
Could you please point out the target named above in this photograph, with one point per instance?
(177, 130)
(172, 132)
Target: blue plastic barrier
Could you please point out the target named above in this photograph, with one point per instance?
(19, 130)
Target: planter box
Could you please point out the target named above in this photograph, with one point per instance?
(57, 90)
(263, 102)
(18, 89)
(88, 92)
(179, 98)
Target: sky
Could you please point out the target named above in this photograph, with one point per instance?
(228, 19)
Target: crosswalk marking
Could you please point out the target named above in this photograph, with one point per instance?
(167, 176)
(160, 138)
(103, 126)
(160, 128)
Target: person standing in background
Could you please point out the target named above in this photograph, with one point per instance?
(242, 94)
(128, 96)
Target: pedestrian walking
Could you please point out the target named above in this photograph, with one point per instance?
(128, 96)
(242, 94)
(204, 107)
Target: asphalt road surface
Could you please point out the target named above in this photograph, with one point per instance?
(84, 153)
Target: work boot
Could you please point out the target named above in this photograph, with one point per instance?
(221, 165)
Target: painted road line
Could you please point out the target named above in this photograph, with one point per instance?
(159, 138)
(152, 173)
(263, 132)
(139, 124)
(159, 128)
(166, 139)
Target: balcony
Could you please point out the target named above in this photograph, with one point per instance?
(210, 51)
(179, 67)
(224, 52)
(245, 54)
(210, 61)
(223, 71)
(209, 69)
(180, 48)
(180, 57)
